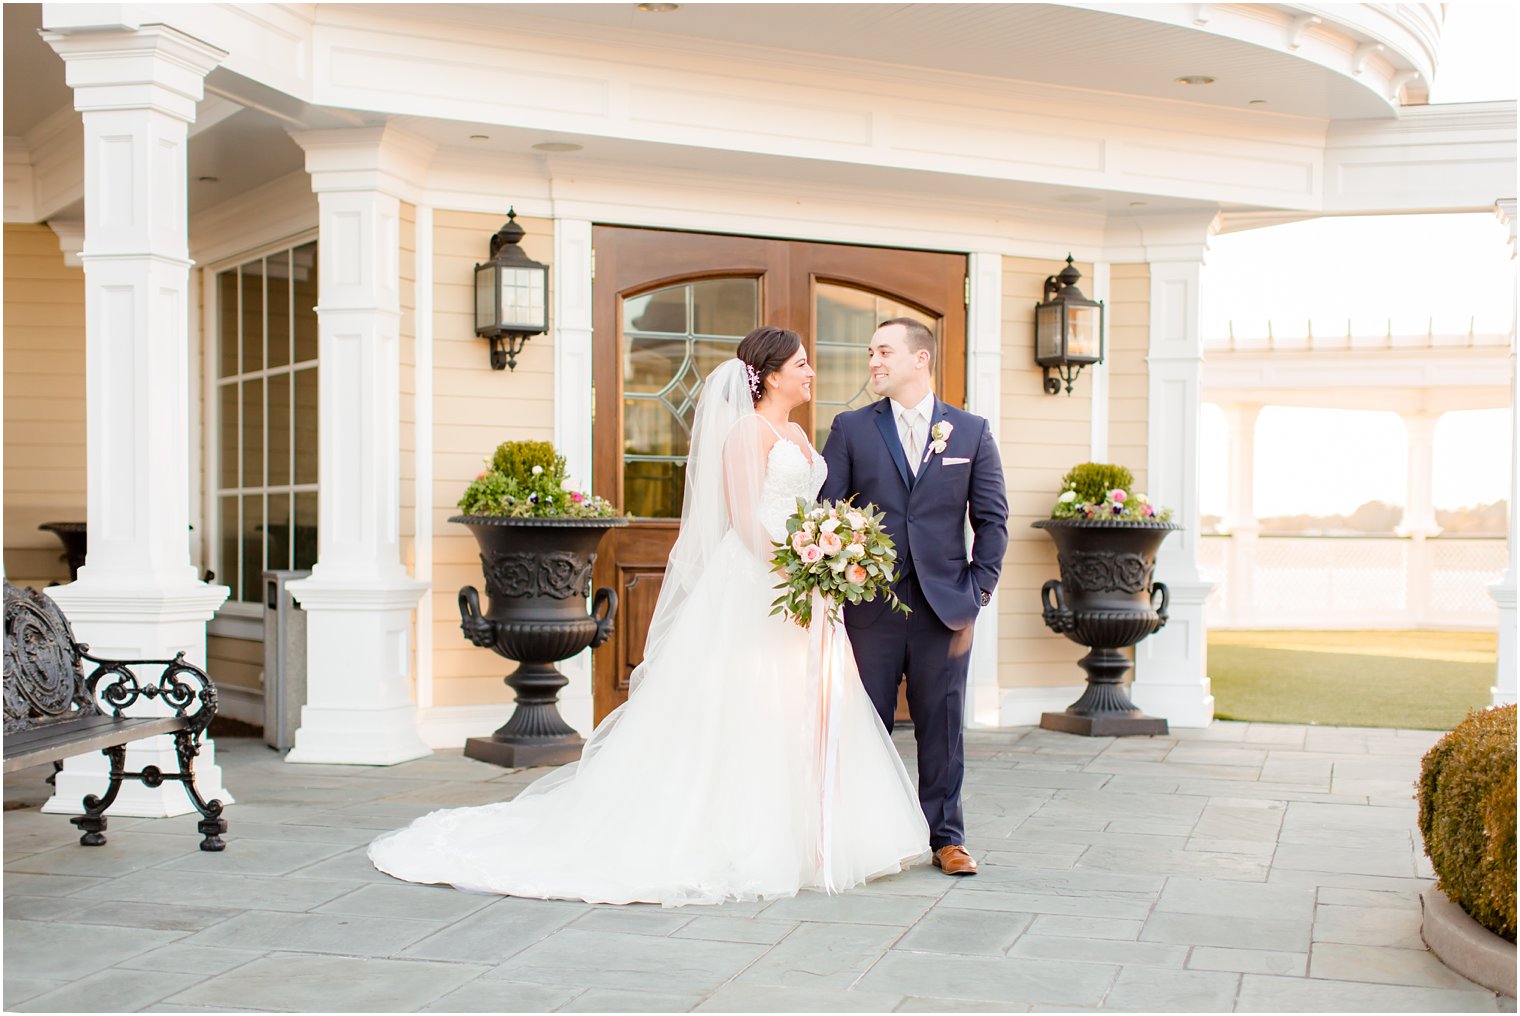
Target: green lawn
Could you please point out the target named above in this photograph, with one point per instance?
(1410, 679)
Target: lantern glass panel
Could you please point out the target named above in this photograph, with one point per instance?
(1047, 329)
(485, 298)
(522, 299)
(1082, 333)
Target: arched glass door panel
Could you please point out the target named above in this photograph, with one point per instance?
(845, 317)
(673, 338)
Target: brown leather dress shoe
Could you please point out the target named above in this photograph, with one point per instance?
(953, 860)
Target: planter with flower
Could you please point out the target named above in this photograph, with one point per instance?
(1107, 598)
(538, 540)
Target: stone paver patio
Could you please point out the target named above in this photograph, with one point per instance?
(1243, 868)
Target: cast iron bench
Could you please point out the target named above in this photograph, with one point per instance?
(53, 710)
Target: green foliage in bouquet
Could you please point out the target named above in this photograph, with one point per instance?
(1101, 491)
(839, 550)
(526, 480)
(1467, 816)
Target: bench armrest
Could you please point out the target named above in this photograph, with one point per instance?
(184, 687)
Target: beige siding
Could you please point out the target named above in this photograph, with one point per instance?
(237, 662)
(475, 408)
(1041, 437)
(44, 402)
(1129, 310)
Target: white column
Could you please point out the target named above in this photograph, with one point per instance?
(1419, 520)
(1240, 514)
(1171, 675)
(359, 598)
(137, 595)
(984, 397)
(1503, 591)
(574, 407)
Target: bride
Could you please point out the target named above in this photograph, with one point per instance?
(735, 770)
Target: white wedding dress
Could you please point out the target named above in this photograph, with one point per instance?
(729, 774)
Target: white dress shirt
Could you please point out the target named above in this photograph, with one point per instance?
(920, 436)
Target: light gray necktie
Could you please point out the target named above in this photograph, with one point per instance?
(909, 418)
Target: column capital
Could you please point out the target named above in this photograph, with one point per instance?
(386, 159)
(1161, 238)
(155, 67)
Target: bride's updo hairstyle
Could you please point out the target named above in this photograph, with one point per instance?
(765, 351)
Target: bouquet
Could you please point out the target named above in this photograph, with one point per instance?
(838, 550)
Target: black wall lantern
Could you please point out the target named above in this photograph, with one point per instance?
(1068, 330)
(511, 296)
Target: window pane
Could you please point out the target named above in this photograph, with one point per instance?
(306, 425)
(277, 267)
(253, 316)
(654, 489)
(279, 429)
(229, 542)
(228, 423)
(253, 548)
(303, 270)
(664, 310)
(846, 318)
(725, 307)
(305, 544)
(227, 314)
(279, 555)
(253, 433)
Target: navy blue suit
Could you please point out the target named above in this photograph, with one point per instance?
(926, 516)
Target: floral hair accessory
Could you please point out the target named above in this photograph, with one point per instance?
(754, 380)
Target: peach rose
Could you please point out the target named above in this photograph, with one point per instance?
(829, 543)
(811, 554)
(855, 575)
(799, 540)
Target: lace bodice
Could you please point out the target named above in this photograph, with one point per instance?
(788, 476)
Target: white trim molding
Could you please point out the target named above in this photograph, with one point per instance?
(984, 397)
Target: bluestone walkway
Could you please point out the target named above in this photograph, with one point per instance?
(1241, 868)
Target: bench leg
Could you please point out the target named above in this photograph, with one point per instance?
(211, 825)
(93, 822)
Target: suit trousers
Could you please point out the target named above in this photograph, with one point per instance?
(934, 659)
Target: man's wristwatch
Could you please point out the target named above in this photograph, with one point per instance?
(986, 597)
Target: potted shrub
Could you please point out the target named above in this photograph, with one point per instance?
(538, 540)
(1466, 793)
(1106, 538)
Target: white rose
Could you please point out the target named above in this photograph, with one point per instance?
(830, 525)
(1068, 497)
(537, 470)
(855, 550)
(856, 520)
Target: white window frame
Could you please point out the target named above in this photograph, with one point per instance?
(236, 618)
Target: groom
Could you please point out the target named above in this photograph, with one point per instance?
(928, 466)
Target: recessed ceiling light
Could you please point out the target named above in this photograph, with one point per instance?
(480, 137)
(1078, 199)
(1195, 79)
(557, 146)
(1138, 204)
(1258, 102)
(208, 179)
(658, 8)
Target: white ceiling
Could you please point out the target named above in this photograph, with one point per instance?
(1047, 43)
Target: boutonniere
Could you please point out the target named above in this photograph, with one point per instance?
(938, 435)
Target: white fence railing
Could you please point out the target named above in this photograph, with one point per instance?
(1347, 582)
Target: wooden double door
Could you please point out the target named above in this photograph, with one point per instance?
(668, 308)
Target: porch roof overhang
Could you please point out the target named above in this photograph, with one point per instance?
(798, 97)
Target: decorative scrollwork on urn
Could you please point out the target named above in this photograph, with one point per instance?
(1085, 571)
(557, 574)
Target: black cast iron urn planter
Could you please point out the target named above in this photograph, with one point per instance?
(1106, 599)
(538, 576)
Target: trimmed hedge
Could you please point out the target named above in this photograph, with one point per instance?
(1467, 816)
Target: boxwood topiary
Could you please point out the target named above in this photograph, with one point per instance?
(1093, 480)
(1467, 816)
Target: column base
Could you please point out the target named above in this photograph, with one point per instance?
(1171, 666)
(365, 737)
(1503, 690)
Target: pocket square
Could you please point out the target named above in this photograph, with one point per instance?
(952, 461)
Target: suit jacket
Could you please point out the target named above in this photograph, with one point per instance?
(926, 514)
